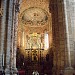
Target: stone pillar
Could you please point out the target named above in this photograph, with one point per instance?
(9, 44)
(72, 37)
(12, 44)
(14, 35)
(3, 23)
(68, 8)
(13, 68)
(15, 43)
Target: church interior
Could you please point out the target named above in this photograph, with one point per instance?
(37, 37)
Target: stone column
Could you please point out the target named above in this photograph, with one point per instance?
(72, 36)
(12, 39)
(74, 31)
(3, 23)
(15, 43)
(17, 9)
(13, 69)
(8, 53)
(69, 32)
(14, 35)
(67, 19)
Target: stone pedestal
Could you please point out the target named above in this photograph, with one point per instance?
(7, 70)
(69, 71)
(11, 71)
(14, 70)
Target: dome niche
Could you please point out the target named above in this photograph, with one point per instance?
(34, 16)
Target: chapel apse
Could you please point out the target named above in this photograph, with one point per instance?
(35, 34)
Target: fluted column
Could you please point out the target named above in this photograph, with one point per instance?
(3, 23)
(9, 44)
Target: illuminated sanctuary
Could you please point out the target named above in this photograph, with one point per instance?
(37, 37)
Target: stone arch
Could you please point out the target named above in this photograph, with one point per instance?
(57, 10)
